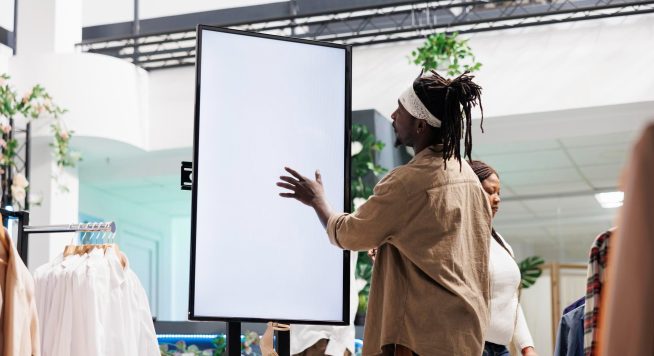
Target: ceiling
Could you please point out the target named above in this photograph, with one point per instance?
(548, 189)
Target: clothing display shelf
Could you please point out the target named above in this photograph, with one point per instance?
(24, 229)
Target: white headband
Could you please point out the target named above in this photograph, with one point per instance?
(417, 109)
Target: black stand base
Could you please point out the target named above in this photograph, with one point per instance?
(283, 343)
(233, 339)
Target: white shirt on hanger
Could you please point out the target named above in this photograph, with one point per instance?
(92, 305)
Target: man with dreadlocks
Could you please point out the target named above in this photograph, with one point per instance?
(430, 221)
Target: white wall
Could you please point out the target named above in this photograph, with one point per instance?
(105, 97)
(529, 70)
(46, 26)
(172, 98)
(7, 14)
(138, 227)
(180, 240)
(537, 306)
(5, 54)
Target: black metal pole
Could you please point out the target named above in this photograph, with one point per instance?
(22, 237)
(283, 343)
(136, 30)
(28, 138)
(233, 338)
(14, 45)
(8, 172)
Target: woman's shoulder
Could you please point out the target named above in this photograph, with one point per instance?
(503, 243)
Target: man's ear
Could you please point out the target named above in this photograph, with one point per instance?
(421, 125)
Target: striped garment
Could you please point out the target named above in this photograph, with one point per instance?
(596, 279)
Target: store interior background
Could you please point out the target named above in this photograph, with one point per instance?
(563, 104)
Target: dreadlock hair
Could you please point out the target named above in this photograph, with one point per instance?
(451, 101)
(482, 170)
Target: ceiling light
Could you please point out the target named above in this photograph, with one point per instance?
(610, 199)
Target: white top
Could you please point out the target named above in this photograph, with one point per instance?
(507, 320)
(91, 305)
(340, 338)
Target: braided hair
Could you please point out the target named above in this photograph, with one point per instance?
(482, 170)
(451, 101)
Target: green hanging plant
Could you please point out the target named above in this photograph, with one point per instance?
(530, 270)
(444, 52)
(364, 148)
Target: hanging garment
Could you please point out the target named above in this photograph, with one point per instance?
(93, 304)
(577, 303)
(18, 317)
(627, 323)
(570, 339)
(594, 283)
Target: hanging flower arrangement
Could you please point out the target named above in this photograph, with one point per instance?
(34, 104)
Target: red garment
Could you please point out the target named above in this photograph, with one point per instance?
(595, 281)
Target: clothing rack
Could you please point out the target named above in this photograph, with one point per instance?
(24, 230)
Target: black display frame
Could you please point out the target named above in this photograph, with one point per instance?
(347, 189)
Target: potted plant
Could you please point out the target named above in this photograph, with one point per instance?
(445, 52)
(363, 175)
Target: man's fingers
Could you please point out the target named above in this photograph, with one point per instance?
(295, 174)
(318, 177)
(286, 185)
(289, 180)
(287, 195)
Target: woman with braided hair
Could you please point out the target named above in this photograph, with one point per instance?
(507, 321)
(430, 287)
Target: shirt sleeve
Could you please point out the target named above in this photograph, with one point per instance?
(375, 221)
(521, 335)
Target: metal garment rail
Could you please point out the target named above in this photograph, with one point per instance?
(24, 230)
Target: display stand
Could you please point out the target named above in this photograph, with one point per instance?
(233, 335)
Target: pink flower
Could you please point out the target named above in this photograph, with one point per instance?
(40, 109)
(64, 135)
(3, 143)
(5, 128)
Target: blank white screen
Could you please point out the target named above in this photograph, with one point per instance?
(266, 104)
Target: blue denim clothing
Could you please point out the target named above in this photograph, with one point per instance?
(491, 349)
(570, 340)
(576, 304)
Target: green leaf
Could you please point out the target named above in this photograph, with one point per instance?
(530, 270)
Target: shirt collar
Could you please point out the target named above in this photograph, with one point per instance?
(429, 151)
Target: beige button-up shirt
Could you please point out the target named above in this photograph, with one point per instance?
(19, 333)
(430, 287)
